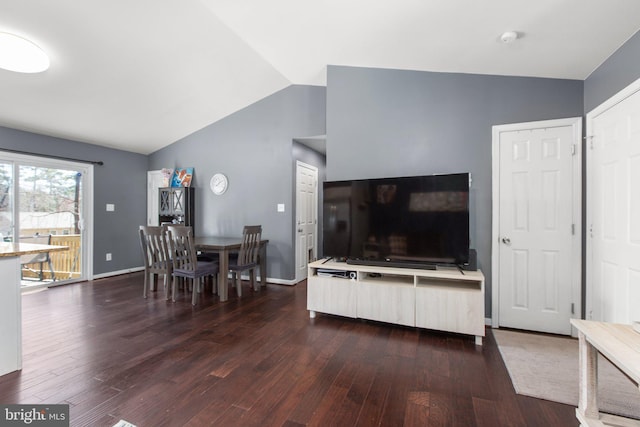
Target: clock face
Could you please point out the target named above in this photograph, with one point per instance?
(219, 183)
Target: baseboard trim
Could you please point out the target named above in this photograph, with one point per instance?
(117, 273)
(286, 282)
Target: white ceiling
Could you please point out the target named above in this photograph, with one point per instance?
(140, 74)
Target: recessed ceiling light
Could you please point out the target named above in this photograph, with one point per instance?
(20, 55)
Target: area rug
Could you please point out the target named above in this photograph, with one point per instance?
(546, 367)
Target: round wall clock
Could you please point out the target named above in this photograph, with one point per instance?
(219, 183)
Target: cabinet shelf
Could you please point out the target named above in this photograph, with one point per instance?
(387, 279)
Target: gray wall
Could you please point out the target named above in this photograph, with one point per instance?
(384, 123)
(121, 181)
(619, 71)
(253, 147)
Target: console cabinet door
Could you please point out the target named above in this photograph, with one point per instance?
(451, 307)
(331, 295)
(391, 303)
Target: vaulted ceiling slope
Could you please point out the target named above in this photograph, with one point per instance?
(138, 75)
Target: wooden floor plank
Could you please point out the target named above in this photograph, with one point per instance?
(257, 360)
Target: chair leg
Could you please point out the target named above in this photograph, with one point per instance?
(238, 281)
(166, 287)
(196, 289)
(254, 282)
(146, 284)
(214, 284)
(175, 286)
(53, 274)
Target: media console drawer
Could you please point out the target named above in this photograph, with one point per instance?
(446, 300)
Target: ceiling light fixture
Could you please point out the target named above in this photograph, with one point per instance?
(509, 37)
(21, 55)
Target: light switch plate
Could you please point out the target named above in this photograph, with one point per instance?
(111, 207)
(280, 207)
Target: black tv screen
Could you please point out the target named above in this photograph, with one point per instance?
(412, 220)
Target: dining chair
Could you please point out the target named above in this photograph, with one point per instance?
(39, 258)
(153, 241)
(247, 258)
(185, 261)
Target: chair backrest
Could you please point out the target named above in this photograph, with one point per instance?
(40, 239)
(250, 247)
(182, 248)
(153, 241)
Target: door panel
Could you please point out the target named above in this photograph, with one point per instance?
(42, 196)
(6, 201)
(536, 226)
(50, 203)
(613, 281)
(155, 180)
(306, 217)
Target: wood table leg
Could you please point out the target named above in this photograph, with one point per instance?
(263, 265)
(588, 378)
(223, 288)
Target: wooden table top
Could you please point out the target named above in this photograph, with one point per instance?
(220, 242)
(619, 343)
(10, 249)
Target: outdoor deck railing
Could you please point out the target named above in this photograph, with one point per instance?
(66, 264)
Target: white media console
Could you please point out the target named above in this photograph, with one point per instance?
(445, 299)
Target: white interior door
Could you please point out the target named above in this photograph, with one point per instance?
(306, 217)
(536, 255)
(155, 180)
(613, 209)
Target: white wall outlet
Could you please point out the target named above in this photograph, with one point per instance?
(280, 207)
(108, 257)
(111, 207)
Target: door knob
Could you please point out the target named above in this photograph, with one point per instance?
(506, 240)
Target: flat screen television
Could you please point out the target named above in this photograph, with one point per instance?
(418, 221)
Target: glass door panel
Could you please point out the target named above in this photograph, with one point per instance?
(6, 201)
(50, 201)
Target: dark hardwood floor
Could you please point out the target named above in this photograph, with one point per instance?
(255, 361)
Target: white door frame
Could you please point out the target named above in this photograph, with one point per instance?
(87, 203)
(295, 220)
(609, 103)
(576, 262)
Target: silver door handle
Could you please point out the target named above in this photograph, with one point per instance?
(506, 240)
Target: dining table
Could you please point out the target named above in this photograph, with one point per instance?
(223, 246)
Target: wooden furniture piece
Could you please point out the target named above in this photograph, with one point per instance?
(153, 241)
(223, 246)
(185, 261)
(11, 300)
(247, 258)
(177, 206)
(38, 258)
(444, 299)
(618, 343)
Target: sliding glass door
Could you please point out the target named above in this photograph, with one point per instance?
(46, 201)
(6, 201)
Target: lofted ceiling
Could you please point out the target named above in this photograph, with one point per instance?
(139, 75)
